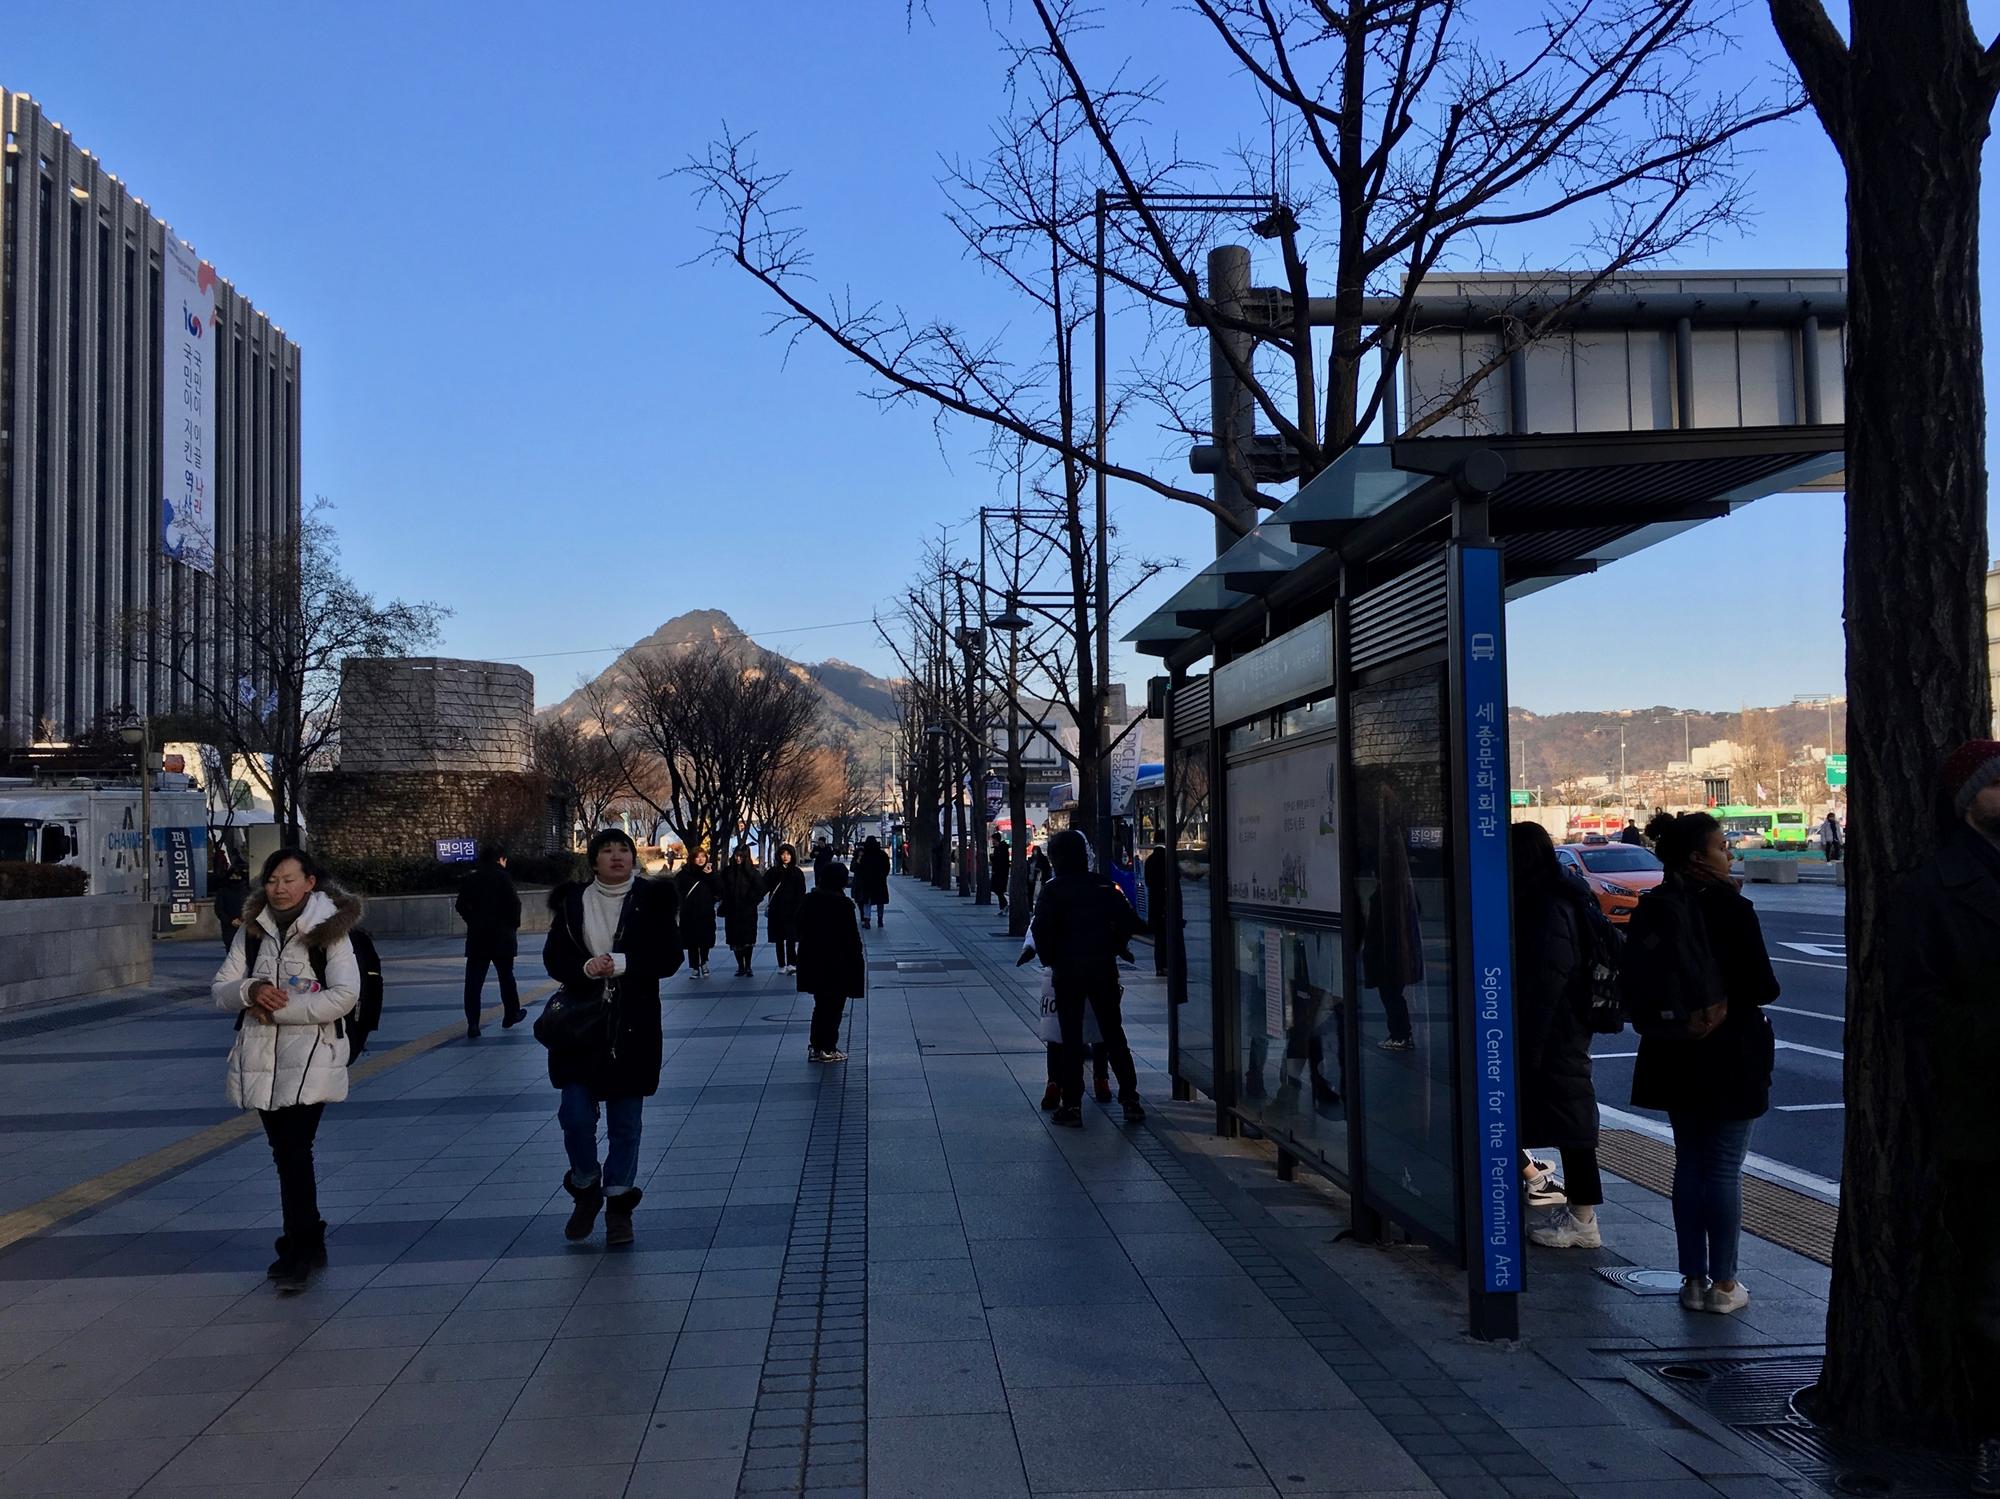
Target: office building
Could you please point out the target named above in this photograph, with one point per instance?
(149, 440)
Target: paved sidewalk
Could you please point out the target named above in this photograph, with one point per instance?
(890, 1277)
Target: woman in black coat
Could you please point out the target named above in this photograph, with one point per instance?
(1712, 1089)
(742, 892)
(1552, 955)
(831, 967)
(871, 881)
(697, 889)
(616, 935)
(786, 887)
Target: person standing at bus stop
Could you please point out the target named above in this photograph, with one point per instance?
(1943, 967)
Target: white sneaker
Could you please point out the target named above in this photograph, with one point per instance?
(814, 1054)
(1565, 1230)
(837, 1055)
(1694, 1294)
(1724, 1302)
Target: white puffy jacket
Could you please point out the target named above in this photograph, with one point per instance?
(295, 1055)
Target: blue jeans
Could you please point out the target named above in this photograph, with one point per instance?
(1708, 1192)
(577, 1115)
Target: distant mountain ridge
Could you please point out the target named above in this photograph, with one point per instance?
(859, 704)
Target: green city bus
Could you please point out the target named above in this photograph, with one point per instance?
(1779, 827)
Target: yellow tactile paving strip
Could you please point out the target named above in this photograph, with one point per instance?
(1790, 1219)
(39, 1217)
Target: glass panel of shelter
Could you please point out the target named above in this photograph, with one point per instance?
(1192, 976)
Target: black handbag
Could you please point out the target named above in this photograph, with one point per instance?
(579, 1022)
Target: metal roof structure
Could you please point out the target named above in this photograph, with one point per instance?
(1560, 505)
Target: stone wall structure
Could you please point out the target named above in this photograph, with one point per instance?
(431, 748)
(432, 713)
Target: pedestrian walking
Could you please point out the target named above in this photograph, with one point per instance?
(1154, 872)
(831, 966)
(291, 986)
(491, 910)
(698, 892)
(1695, 950)
(1082, 922)
(1039, 872)
(1630, 834)
(822, 856)
(741, 893)
(1553, 948)
(232, 891)
(1830, 839)
(786, 887)
(611, 942)
(871, 881)
(1943, 963)
(998, 860)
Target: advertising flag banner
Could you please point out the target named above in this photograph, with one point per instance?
(187, 431)
(1124, 775)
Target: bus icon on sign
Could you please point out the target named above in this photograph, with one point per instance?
(1484, 647)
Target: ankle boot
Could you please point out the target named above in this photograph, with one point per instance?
(582, 1217)
(312, 1249)
(618, 1217)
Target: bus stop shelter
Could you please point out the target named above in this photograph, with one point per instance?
(1340, 966)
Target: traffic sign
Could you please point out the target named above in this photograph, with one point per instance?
(1520, 798)
(1836, 770)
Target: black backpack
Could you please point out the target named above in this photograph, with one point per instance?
(1669, 976)
(360, 1022)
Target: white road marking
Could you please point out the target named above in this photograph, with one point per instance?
(1804, 963)
(1841, 935)
(1808, 1108)
(1819, 1186)
(1819, 950)
(1812, 1051)
(1810, 1014)
(1605, 1055)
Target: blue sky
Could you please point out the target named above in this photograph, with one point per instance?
(528, 404)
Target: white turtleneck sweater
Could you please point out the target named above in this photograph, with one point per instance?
(601, 905)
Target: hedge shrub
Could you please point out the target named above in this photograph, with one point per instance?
(24, 881)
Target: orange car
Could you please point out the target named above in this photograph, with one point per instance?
(1617, 874)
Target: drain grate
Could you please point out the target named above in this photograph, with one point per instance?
(1642, 1282)
(1757, 1397)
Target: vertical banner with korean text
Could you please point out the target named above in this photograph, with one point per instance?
(187, 393)
(1493, 1201)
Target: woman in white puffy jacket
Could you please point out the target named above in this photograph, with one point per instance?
(290, 1057)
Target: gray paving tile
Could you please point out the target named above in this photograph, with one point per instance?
(711, 1479)
(930, 1241)
(407, 1486)
(966, 1456)
(918, 1276)
(730, 1313)
(323, 1368)
(1212, 1306)
(1140, 1437)
(568, 1481)
(1329, 1452)
(1252, 1374)
(760, 1281)
(71, 1468)
(580, 1392)
(627, 1319)
(553, 1441)
(691, 1435)
(716, 1387)
(897, 1210)
(705, 1350)
(445, 1363)
(396, 1452)
(461, 1400)
(170, 1376)
(1051, 1345)
(1194, 1253)
(28, 1422)
(1063, 1272)
(121, 1417)
(934, 1379)
(642, 1353)
(505, 1325)
(276, 1409)
(220, 1460)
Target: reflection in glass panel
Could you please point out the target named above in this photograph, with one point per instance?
(1194, 999)
(1290, 1008)
(1402, 874)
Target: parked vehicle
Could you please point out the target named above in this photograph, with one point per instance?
(100, 830)
(1617, 873)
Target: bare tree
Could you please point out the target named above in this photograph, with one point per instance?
(1907, 98)
(583, 765)
(288, 618)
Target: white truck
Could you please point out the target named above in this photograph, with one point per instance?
(101, 830)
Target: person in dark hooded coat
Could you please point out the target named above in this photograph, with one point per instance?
(1082, 925)
(871, 881)
(1552, 955)
(742, 893)
(785, 884)
(831, 967)
(618, 934)
(698, 891)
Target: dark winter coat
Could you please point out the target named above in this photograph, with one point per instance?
(1082, 924)
(490, 908)
(1154, 871)
(230, 896)
(742, 892)
(998, 859)
(786, 885)
(1944, 970)
(830, 958)
(650, 941)
(1725, 1075)
(871, 874)
(1552, 950)
(697, 890)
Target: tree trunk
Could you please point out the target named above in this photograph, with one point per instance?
(1916, 548)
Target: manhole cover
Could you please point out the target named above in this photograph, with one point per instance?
(1758, 1398)
(1642, 1282)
